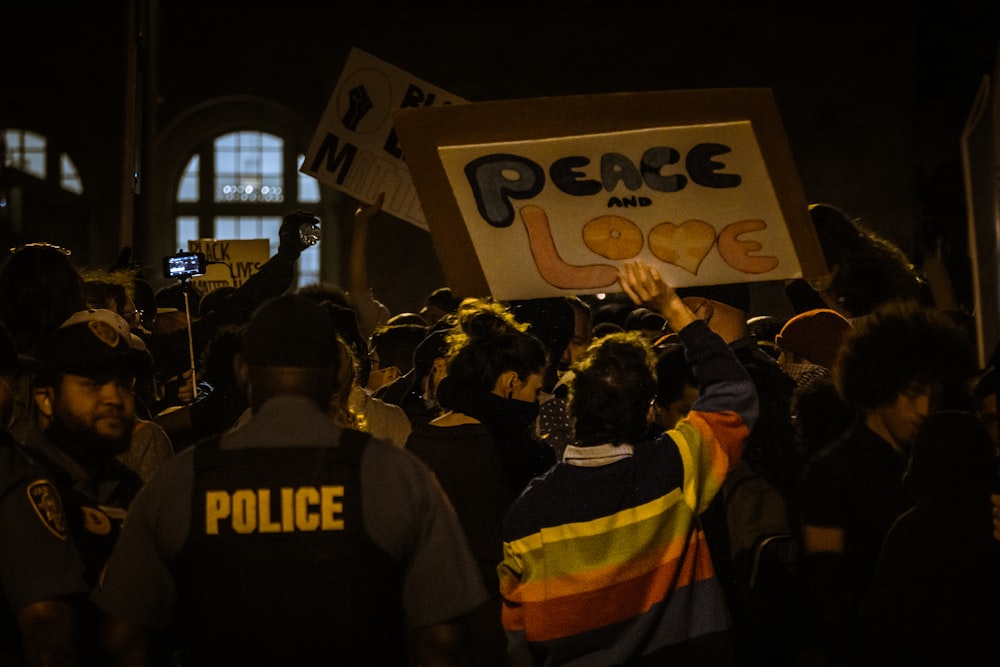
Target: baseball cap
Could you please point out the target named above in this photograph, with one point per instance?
(93, 342)
(291, 330)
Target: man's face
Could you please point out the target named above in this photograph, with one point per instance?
(380, 375)
(93, 417)
(903, 417)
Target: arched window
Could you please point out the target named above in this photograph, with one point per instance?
(28, 152)
(239, 186)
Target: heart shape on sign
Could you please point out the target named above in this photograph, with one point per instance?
(685, 245)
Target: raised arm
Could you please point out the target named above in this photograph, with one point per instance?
(712, 436)
(371, 313)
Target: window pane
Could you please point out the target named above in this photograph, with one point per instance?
(269, 228)
(247, 167)
(187, 230)
(225, 228)
(271, 163)
(245, 162)
(34, 142)
(12, 143)
(225, 141)
(308, 266)
(250, 164)
(34, 163)
(227, 162)
(25, 152)
(249, 141)
(188, 189)
(249, 227)
(68, 178)
(308, 186)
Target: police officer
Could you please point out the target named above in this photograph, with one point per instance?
(64, 495)
(291, 540)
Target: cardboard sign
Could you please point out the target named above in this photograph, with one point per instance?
(355, 148)
(535, 198)
(230, 262)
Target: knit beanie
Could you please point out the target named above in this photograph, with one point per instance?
(815, 335)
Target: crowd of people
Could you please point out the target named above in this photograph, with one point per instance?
(273, 475)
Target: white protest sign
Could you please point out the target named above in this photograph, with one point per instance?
(698, 183)
(355, 148)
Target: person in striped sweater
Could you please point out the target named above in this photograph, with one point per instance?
(605, 561)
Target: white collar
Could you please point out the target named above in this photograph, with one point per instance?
(598, 455)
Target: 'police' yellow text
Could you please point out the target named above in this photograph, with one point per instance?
(304, 509)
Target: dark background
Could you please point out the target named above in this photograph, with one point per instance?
(873, 96)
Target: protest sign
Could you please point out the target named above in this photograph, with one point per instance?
(355, 148)
(541, 197)
(230, 262)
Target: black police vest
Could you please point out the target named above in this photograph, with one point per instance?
(279, 568)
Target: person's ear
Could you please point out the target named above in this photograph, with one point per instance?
(391, 374)
(505, 384)
(44, 397)
(241, 371)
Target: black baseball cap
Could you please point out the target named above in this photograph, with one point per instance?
(93, 343)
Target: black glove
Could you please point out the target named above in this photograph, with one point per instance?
(289, 241)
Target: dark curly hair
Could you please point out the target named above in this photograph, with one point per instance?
(488, 342)
(39, 289)
(901, 343)
(612, 389)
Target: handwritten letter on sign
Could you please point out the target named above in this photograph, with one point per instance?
(552, 215)
(230, 262)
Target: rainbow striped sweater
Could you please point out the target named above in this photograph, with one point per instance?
(605, 561)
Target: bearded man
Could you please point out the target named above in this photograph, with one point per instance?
(85, 404)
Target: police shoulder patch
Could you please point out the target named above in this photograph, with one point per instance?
(44, 497)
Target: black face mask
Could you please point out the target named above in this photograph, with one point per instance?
(504, 415)
(84, 446)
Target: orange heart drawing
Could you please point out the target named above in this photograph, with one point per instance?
(685, 245)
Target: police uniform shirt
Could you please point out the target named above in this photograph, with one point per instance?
(405, 512)
(95, 500)
(38, 560)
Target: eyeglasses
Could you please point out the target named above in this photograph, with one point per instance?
(133, 317)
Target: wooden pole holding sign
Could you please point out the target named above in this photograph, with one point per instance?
(542, 197)
(980, 171)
